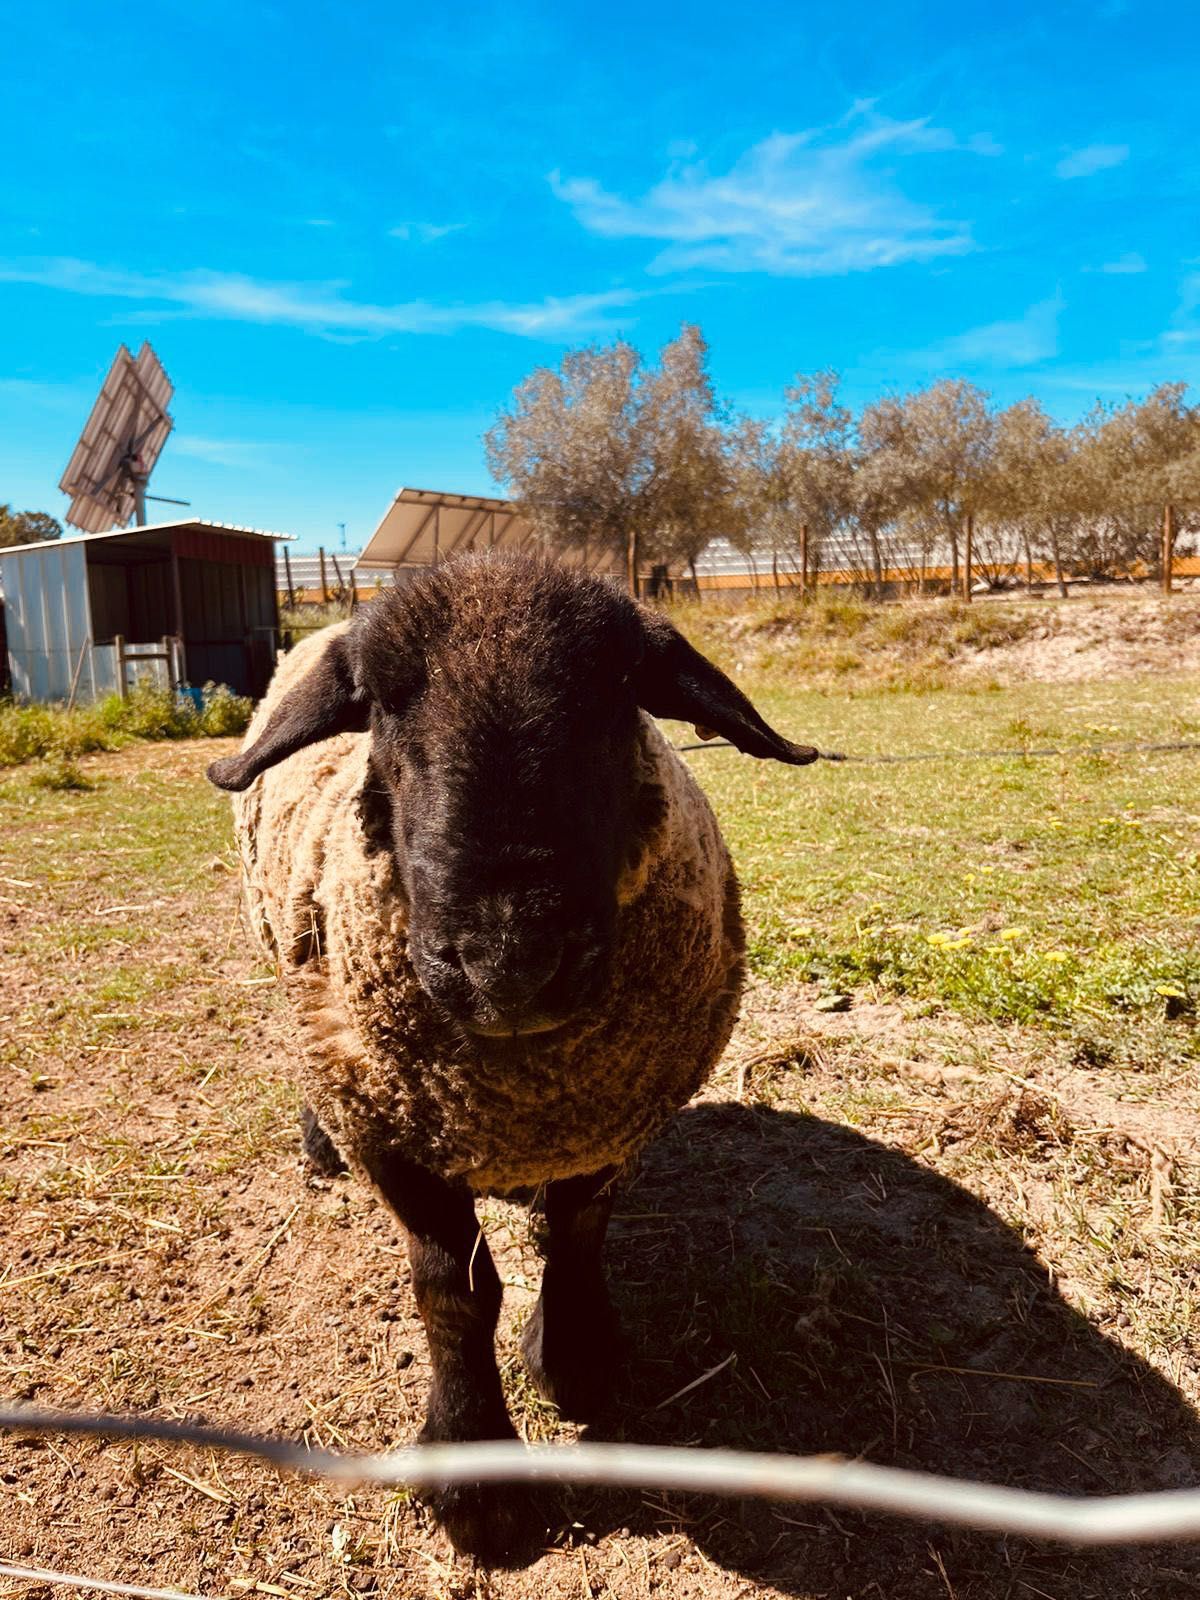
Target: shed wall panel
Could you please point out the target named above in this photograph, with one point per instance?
(48, 618)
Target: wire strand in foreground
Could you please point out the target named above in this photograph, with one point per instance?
(831, 1480)
(75, 1580)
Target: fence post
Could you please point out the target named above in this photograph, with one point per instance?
(968, 555)
(83, 650)
(119, 649)
(324, 583)
(804, 558)
(1168, 547)
(287, 567)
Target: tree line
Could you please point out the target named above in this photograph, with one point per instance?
(609, 454)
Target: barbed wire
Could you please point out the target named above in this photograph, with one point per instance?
(1172, 1514)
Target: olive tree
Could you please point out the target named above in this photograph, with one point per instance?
(607, 454)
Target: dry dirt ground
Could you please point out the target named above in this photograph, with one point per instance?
(882, 1233)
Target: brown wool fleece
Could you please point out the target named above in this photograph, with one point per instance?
(378, 1063)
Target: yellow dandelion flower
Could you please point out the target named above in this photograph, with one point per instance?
(1013, 933)
(987, 869)
(1132, 822)
(1172, 991)
(956, 944)
(937, 938)
(1056, 823)
(1057, 956)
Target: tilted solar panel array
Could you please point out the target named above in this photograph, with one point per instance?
(124, 435)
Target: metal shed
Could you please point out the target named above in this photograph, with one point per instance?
(75, 609)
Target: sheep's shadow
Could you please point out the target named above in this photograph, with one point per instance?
(870, 1306)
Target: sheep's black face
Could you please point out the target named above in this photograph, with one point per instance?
(506, 753)
(510, 858)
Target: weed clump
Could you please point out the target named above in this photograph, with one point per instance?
(58, 771)
(59, 737)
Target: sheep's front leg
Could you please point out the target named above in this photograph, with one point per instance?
(572, 1342)
(458, 1294)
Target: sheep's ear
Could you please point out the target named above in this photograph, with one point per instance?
(674, 680)
(327, 700)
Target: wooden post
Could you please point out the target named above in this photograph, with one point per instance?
(83, 650)
(324, 583)
(1168, 547)
(804, 558)
(287, 567)
(968, 555)
(177, 591)
(632, 552)
(119, 649)
(437, 533)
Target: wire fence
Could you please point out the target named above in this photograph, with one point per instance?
(1017, 752)
(1172, 1514)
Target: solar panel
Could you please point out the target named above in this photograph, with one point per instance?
(106, 475)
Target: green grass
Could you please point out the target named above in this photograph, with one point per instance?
(108, 871)
(1054, 889)
(57, 736)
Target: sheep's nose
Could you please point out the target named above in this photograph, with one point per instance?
(513, 972)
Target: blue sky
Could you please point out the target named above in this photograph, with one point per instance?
(350, 231)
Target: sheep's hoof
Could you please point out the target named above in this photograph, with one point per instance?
(493, 1523)
(574, 1367)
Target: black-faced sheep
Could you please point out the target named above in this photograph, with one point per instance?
(509, 927)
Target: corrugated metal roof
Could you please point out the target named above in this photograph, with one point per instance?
(150, 527)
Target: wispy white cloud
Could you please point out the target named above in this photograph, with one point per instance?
(320, 308)
(1132, 261)
(319, 222)
(218, 452)
(1185, 324)
(798, 204)
(1092, 158)
(424, 232)
(1022, 342)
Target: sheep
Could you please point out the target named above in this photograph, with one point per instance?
(509, 929)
